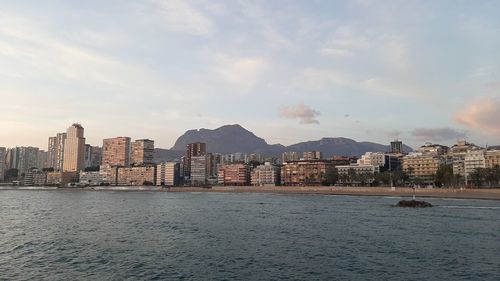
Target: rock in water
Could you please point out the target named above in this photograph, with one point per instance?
(413, 204)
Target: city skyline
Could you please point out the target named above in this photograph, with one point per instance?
(416, 71)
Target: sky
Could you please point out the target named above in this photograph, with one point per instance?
(289, 71)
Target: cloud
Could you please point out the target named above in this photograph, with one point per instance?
(243, 71)
(181, 16)
(336, 52)
(305, 114)
(437, 134)
(481, 115)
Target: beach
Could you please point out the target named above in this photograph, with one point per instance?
(492, 194)
(486, 193)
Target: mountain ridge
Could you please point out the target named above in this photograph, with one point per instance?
(235, 138)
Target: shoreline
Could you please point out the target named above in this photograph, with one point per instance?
(487, 194)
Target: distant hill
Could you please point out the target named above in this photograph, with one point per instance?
(234, 138)
(226, 139)
(340, 146)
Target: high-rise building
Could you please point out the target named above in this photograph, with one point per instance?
(168, 174)
(289, 156)
(116, 151)
(198, 170)
(92, 156)
(143, 152)
(43, 159)
(3, 155)
(193, 150)
(23, 158)
(56, 151)
(397, 147)
(312, 155)
(74, 149)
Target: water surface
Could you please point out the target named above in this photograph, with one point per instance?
(83, 235)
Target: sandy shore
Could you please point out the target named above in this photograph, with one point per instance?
(492, 194)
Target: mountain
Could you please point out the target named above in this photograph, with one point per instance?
(234, 138)
(341, 147)
(226, 139)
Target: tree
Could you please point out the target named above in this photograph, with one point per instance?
(444, 176)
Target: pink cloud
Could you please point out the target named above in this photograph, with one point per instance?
(481, 115)
(305, 114)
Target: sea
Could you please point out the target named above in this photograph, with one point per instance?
(146, 235)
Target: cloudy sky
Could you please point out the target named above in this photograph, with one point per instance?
(289, 71)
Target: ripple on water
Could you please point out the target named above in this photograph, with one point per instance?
(181, 236)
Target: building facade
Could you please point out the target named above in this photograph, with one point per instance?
(142, 152)
(116, 152)
(307, 172)
(234, 174)
(421, 167)
(3, 156)
(136, 176)
(266, 175)
(397, 147)
(290, 156)
(198, 168)
(492, 158)
(312, 155)
(92, 156)
(94, 178)
(474, 159)
(193, 150)
(74, 149)
(168, 174)
(357, 174)
(56, 151)
(22, 158)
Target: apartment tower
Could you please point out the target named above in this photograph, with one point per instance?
(56, 151)
(74, 149)
(143, 152)
(116, 151)
(193, 150)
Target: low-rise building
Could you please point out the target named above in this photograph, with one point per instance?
(234, 174)
(474, 159)
(266, 175)
(433, 149)
(357, 174)
(315, 172)
(94, 178)
(492, 158)
(59, 178)
(136, 176)
(422, 167)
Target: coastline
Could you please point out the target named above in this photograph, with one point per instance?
(488, 194)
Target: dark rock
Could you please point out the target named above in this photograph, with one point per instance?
(413, 204)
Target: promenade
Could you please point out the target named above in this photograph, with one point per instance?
(493, 194)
